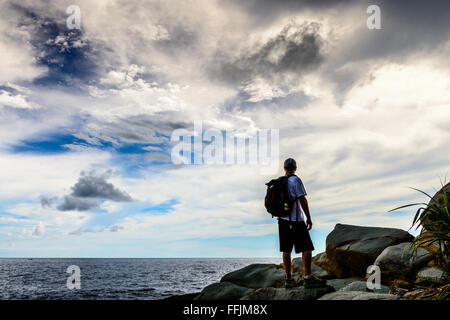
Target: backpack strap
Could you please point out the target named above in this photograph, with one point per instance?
(296, 203)
(290, 219)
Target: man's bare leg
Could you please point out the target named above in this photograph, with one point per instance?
(306, 258)
(287, 264)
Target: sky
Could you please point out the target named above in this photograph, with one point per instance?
(87, 115)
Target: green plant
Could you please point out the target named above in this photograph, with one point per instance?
(445, 294)
(435, 222)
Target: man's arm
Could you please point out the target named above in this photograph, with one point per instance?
(304, 204)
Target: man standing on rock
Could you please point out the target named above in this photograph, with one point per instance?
(293, 231)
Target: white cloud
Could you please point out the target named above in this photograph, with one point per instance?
(37, 231)
(17, 62)
(15, 101)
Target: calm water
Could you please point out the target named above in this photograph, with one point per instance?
(113, 278)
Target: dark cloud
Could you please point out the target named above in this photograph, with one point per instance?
(68, 55)
(90, 185)
(407, 27)
(295, 50)
(266, 10)
(79, 204)
(288, 5)
(89, 190)
(47, 202)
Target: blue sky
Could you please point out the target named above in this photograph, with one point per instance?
(87, 115)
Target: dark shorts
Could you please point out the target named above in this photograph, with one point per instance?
(294, 234)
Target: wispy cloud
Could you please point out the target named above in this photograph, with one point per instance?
(80, 230)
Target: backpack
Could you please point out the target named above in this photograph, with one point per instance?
(277, 201)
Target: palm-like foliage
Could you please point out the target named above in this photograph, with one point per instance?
(445, 294)
(435, 222)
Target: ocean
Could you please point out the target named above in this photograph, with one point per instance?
(104, 279)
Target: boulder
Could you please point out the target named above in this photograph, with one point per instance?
(297, 263)
(358, 295)
(432, 276)
(223, 291)
(320, 258)
(296, 293)
(438, 199)
(322, 262)
(338, 284)
(397, 262)
(257, 276)
(351, 249)
(362, 286)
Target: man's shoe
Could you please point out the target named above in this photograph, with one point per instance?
(313, 282)
(289, 283)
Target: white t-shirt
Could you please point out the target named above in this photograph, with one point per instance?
(295, 189)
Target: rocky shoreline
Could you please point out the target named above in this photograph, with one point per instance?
(350, 250)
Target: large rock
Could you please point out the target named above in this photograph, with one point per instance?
(338, 284)
(297, 293)
(315, 269)
(438, 199)
(320, 257)
(351, 249)
(432, 276)
(223, 291)
(358, 295)
(257, 276)
(398, 262)
(362, 286)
